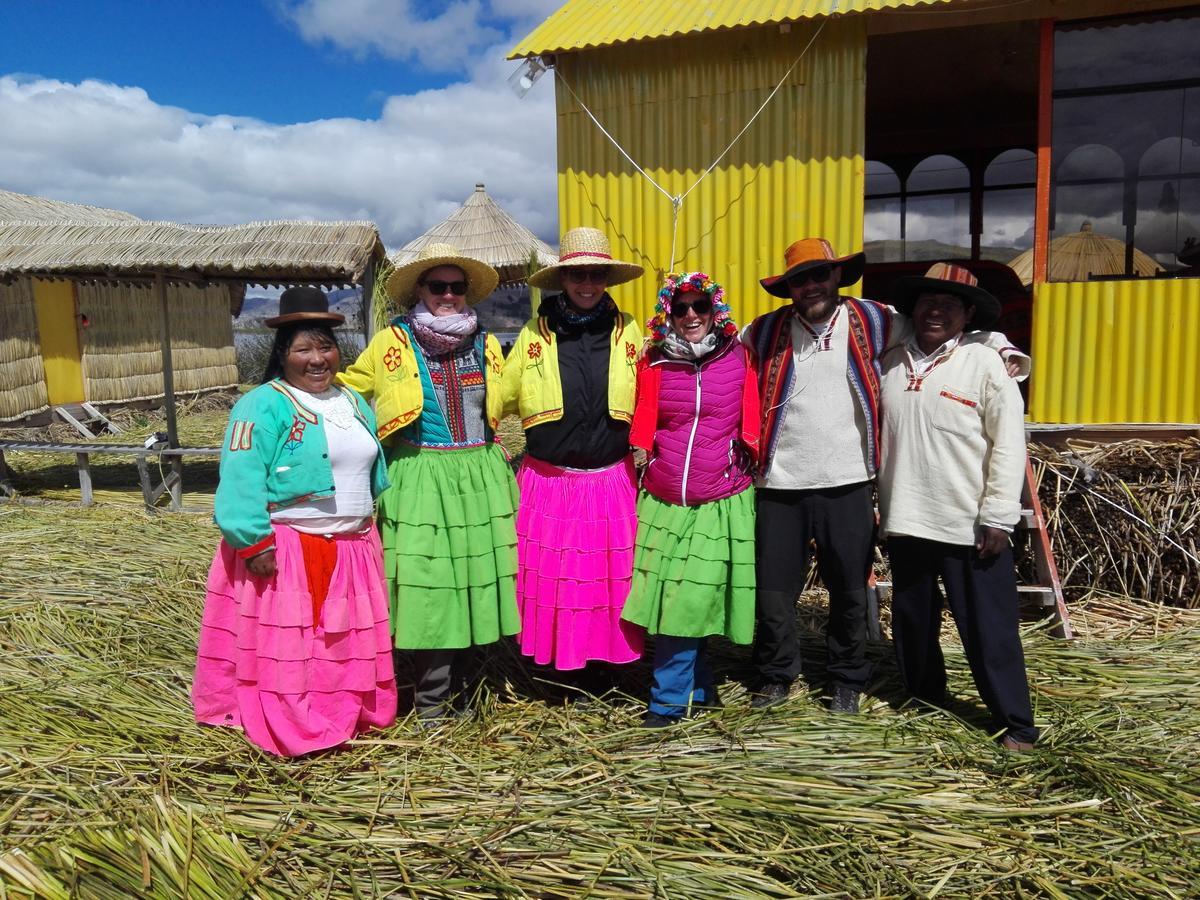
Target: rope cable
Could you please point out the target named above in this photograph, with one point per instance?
(677, 199)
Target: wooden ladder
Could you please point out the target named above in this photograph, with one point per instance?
(82, 415)
(1047, 590)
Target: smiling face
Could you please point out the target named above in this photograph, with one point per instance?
(815, 291)
(443, 302)
(311, 361)
(584, 285)
(686, 321)
(939, 317)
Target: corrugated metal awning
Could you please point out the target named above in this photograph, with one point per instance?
(580, 24)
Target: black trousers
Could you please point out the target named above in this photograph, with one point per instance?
(983, 600)
(842, 522)
(440, 679)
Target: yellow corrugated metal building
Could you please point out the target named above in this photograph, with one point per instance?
(674, 83)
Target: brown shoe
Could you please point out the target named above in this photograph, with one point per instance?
(1008, 742)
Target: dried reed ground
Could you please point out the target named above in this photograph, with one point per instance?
(108, 789)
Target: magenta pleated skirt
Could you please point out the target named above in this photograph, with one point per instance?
(575, 537)
(291, 684)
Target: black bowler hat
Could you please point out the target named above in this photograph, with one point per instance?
(304, 304)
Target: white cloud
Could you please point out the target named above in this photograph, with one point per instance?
(110, 145)
(444, 41)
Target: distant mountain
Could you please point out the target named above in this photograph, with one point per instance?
(895, 251)
(255, 308)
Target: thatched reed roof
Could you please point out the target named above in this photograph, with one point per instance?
(51, 238)
(26, 208)
(1082, 255)
(481, 229)
(261, 252)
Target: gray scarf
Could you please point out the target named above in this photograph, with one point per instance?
(678, 348)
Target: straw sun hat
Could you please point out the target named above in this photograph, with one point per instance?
(585, 247)
(481, 278)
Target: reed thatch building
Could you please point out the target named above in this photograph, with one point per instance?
(482, 229)
(81, 319)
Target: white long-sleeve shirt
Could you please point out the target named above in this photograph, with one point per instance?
(953, 448)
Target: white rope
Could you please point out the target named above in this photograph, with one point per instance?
(677, 199)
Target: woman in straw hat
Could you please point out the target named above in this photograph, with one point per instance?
(294, 644)
(697, 417)
(571, 376)
(449, 543)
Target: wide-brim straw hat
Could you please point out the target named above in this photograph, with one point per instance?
(585, 247)
(304, 304)
(947, 278)
(481, 278)
(808, 253)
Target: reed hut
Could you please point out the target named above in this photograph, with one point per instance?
(1084, 255)
(90, 297)
(482, 229)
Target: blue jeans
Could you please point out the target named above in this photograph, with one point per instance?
(681, 676)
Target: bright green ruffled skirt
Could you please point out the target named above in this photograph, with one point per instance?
(693, 568)
(448, 526)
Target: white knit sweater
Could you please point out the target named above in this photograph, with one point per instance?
(953, 452)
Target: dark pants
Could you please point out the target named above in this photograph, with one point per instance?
(983, 600)
(439, 678)
(842, 522)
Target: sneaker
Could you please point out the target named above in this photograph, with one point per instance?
(1008, 742)
(844, 700)
(770, 695)
(654, 720)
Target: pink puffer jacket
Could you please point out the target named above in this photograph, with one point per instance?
(705, 425)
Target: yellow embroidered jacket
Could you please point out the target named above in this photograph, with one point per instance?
(533, 386)
(388, 372)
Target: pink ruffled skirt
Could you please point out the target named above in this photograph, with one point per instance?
(291, 684)
(575, 537)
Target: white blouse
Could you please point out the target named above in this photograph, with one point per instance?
(352, 452)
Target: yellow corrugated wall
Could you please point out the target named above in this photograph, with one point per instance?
(674, 105)
(1116, 351)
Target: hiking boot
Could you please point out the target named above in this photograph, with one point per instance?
(770, 695)
(844, 700)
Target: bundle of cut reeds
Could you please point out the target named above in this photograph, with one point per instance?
(1124, 517)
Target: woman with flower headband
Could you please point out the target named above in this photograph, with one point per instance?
(697, 417)
(571, 377)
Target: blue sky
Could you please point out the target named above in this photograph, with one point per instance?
(222, 111)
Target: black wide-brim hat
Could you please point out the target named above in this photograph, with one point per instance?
(947, 278)
(304, 304)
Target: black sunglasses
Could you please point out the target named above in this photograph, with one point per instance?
(816, 273)
(438, 288)
(700, 306)
(595, 276)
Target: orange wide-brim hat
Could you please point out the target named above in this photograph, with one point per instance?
(807, 253)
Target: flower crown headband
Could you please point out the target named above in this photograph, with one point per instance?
(660, 323)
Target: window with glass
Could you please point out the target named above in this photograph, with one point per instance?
(1125, 198)
(927, 216)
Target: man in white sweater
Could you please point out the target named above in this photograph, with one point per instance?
(952, 465)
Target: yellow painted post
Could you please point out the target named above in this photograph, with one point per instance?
(58, 332)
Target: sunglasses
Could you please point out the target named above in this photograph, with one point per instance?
(816, 274)
(701, 306)
(594, 276)
(438, 288)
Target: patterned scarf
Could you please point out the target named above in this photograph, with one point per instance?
(571, 317)
(677, 347)
(441, 334)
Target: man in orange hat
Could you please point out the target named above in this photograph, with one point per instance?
(819, 383)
